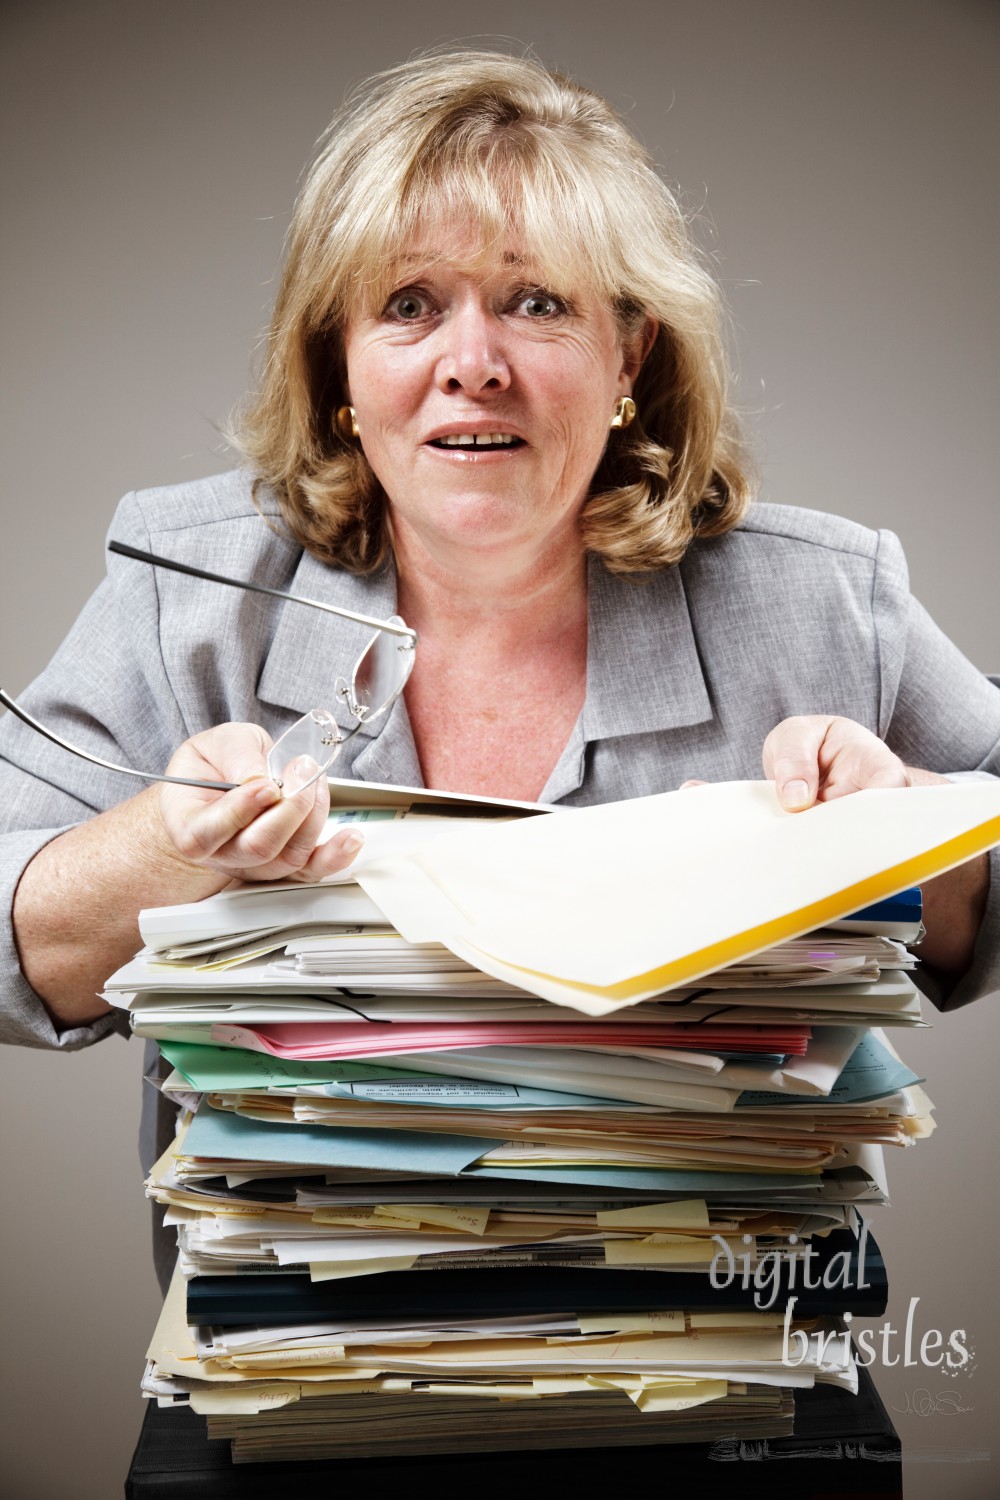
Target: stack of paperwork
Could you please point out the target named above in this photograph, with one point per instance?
(491, 1144)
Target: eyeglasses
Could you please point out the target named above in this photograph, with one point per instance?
(380, 675)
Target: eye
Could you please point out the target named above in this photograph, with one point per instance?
(537, 304)
(408, 306)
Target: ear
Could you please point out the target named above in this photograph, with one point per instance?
(634, 353)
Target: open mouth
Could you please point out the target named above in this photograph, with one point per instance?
(480, 441)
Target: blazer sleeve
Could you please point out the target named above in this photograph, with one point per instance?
(105, 690)
(941, 713)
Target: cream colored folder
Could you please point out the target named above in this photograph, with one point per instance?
(603, 906)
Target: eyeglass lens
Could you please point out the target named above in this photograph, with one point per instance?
(315, 736)
(379, 676)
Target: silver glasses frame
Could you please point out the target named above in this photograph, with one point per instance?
(332, 733)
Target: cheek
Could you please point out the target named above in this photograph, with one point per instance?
(581, 390)
(382, 383)
(585, 418)
(376, 394)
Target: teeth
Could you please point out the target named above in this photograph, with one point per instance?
(477, 440)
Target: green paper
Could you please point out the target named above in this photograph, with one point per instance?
(216, 1069)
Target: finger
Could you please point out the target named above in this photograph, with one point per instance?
(199, 827)
(281, 840)
(334, 856)
(249, 830)
(228, 831)
(685, 784)
(791, 760)
(795, 791)
(313, 802)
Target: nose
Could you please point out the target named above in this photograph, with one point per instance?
(473, 357)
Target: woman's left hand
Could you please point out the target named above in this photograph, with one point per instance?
(817, 757)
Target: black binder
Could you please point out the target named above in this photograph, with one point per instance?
(272, 1299)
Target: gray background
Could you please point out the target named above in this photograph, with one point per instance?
(842, 159)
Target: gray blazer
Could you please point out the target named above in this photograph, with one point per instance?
(793, 613)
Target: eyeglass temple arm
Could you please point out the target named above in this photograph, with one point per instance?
(260, 588)
(109, 765)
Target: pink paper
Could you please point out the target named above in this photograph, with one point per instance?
(303, 1040)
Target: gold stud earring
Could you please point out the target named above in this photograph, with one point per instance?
(347, 422)
(624, 413)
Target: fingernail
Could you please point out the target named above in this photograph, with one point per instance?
(266, 794)
(304, 766)
(795, 794)
(352, 842)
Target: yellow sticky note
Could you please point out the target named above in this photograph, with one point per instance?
(326, 1270)
(628, 1383)
(664, 1253)
(674, 1398)
(558, 1385)
(689, 1213)
(242, 1401)
(736, 1320)
(365, 1217)
(644, 1322)
(662, 1238)
(465, 1220)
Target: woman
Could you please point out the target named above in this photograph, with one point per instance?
(494, 403)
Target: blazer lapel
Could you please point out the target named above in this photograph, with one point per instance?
(644, 673)
(643, 669)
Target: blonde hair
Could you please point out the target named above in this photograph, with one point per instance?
(505, 144)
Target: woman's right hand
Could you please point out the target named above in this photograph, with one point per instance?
(77, 903)
(252, 832)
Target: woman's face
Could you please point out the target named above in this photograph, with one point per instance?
(483, 399)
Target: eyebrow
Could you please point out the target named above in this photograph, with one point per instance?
(430, 257)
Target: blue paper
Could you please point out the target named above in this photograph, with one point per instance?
(693, 1184)
(218, 1134)
(871, 1072)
